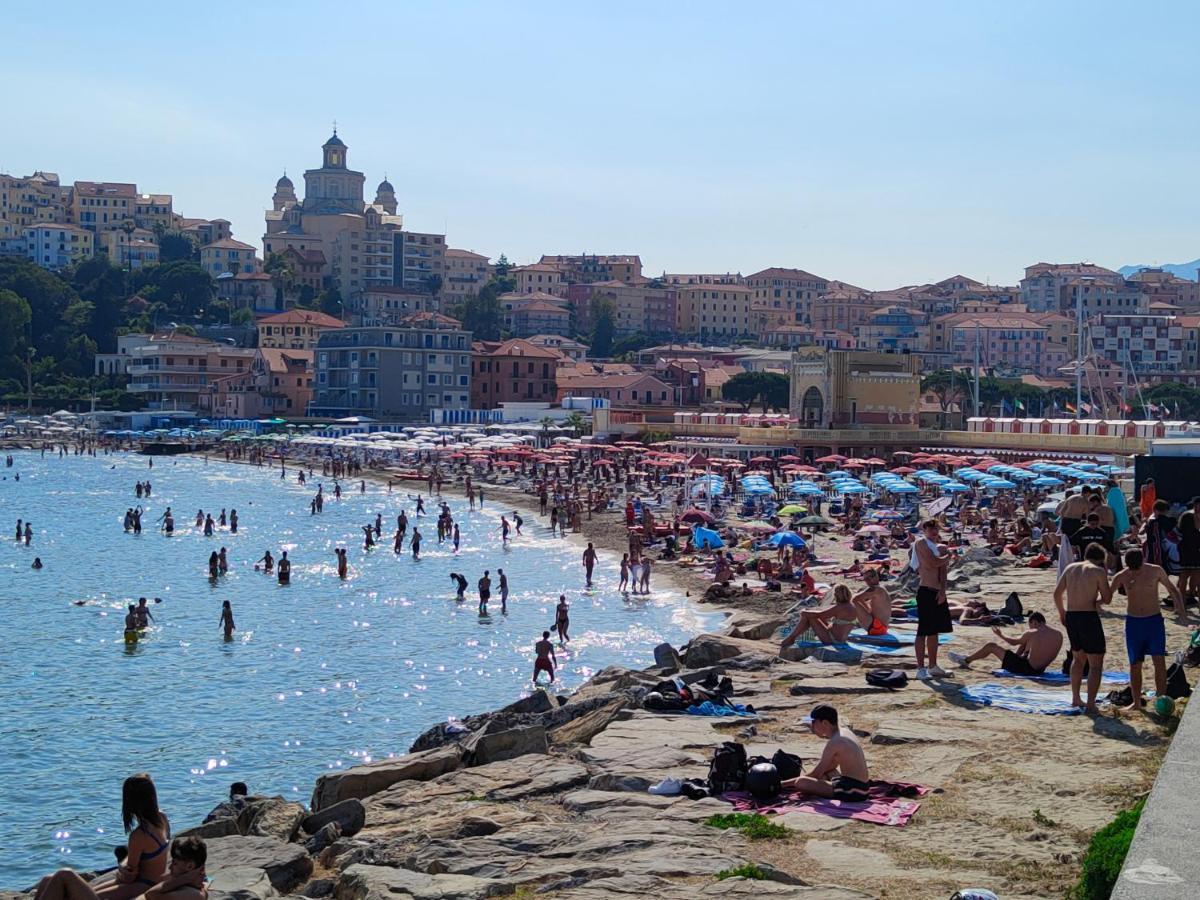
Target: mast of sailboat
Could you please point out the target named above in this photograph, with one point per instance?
(977, 368)
(1078, 351)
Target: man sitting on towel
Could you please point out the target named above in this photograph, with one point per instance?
(1036, 649)
(841, 772)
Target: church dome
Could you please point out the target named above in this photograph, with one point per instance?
(385, 187)
(334, 141)
(284, 182)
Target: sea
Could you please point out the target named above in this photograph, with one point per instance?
(321, 674)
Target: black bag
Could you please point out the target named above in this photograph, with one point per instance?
(789, 765)
(1177, 682)
(1123, 697)
(727, 771)
(887, 678)
(1012, 607)
(762, 780)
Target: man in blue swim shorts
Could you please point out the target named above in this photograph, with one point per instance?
(1145, 631)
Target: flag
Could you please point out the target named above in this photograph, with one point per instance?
(1071, 408)
(1125, 407)
(1055, 408)
(1086, 407)
(1020, 405)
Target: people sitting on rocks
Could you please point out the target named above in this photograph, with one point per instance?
(1036, 649)
(831, 625)
(841, 772)
(184, 878)
(238, 795)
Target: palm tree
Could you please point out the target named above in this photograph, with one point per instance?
(546, 423)
(577, 423)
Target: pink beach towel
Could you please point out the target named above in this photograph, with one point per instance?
(883, 807)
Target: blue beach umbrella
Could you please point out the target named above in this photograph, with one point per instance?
(786, 539)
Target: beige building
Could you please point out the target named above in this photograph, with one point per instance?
(539, 278)
(590, 268)
(228, 256)
(206, 231)
(101, 206)
(466, 274)
(683, 279)
(132, 249)
(790, 291)
(172, 371)
(843, 307)
(296, 329)
(844, 388)
(714, 312)
(386, 305)
(28, 201)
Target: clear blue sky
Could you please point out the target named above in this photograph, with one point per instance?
(879, 143)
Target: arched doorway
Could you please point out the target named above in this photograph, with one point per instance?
(812, 408)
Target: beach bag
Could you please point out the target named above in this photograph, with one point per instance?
(887, 678)
(1177, 682)
(1191, 656)
(1123, 697)
(727, 771)
(789, 765)
(1012, 606)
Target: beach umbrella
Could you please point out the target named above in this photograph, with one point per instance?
(791, 509)
(786, 539)
(886, 515)
(831, 458)
(999, 484)
(902, 487)
(1047, 481)
(814, 521)
(875, 461)
(953, 487)
(696, 515)
(849, 488)
(903, 470)
(872, 529)
(789, 457)
(756, 526)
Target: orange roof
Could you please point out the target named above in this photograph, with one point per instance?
(518, 347)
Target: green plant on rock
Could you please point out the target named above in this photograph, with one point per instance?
(753, 825)
(746, 870)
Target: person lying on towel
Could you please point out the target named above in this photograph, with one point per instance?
(841, 772)
(1036, 649)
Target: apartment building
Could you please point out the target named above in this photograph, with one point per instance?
(525, 315)
(893, 329)
(843, 307)
(29, 200)
(56, 246)
(539, 278)
(172, 370)
(684, 279)
(637, 308)
(1148, 343)
(465, 274)
(277, 383)
(399, 373)
(714, 312)
(513, 371)
(620, 390)
(228, 255)
(590, 268)
(1012, 342)
(1158, 286)
(1042, 288)
(790, 291)
(101, 206)
(387, 305)
(296, 329)
(133, 249)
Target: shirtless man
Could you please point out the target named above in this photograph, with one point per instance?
(185, 878)
(503, 590)
(284, 569)
(841, 772)
(1145, 631)
(1036, 649)
(144, 616)
(546, 660)
(933, 611)
(589, 562)
(874, 605)
(131, 618)
(485, 590)
(460, 584)
(831, 625)
(1084, 586)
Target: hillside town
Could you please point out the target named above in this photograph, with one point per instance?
(342, 310)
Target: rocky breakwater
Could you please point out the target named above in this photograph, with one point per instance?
(547, 796)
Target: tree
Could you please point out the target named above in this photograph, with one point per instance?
(241, 317)
(432, 284)
(174, 246)
(603, 314)
(104, 286)
(48, 296)
(943, 384)
(283, 276)
(770, 388)
(577, 423)
(329, 301)
(480, 315)
(502, 266)
(14, 319)
(183, 286)
(631, 344)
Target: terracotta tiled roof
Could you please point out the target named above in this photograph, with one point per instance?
(302, 317)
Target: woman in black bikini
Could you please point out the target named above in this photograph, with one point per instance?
(146, 858)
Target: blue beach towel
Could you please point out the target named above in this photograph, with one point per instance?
(1021, 699)
(889, 649)
(1060, 678)
(894, 638)
(708, 708)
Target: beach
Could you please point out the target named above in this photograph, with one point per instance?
(556, 796)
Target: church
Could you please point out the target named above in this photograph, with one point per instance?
(335, 239)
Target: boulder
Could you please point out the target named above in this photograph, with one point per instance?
(586, 727)
(476, 826)
(755, 629)
(213, 828)
(616, 783)
(240, 883)
(322, 838)
(843, 655)
(493, 746)
(318, 887)
(665, 657)
(277, 818)
(366, 780)
(363, 882)
(350, 816)
(286, 865)
(708, 650)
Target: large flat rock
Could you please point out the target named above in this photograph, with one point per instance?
(359, 882)
(632, 886)
(285, 865)
(369, 779)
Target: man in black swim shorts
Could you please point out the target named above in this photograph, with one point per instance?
(1084, 587)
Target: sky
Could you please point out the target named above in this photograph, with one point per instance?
(880, 143)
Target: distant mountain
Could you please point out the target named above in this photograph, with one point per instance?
(1183, 270)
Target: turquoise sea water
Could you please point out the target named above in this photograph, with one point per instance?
(322, 674)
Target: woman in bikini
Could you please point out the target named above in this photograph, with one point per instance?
(149, 832)
(831, 625)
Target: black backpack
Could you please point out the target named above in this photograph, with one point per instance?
(1012, 607)
(887, 678)
(727, 771)
(789, 765)
(1177, 682)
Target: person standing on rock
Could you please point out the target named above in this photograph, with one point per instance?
(546, 660)
(931, 561)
